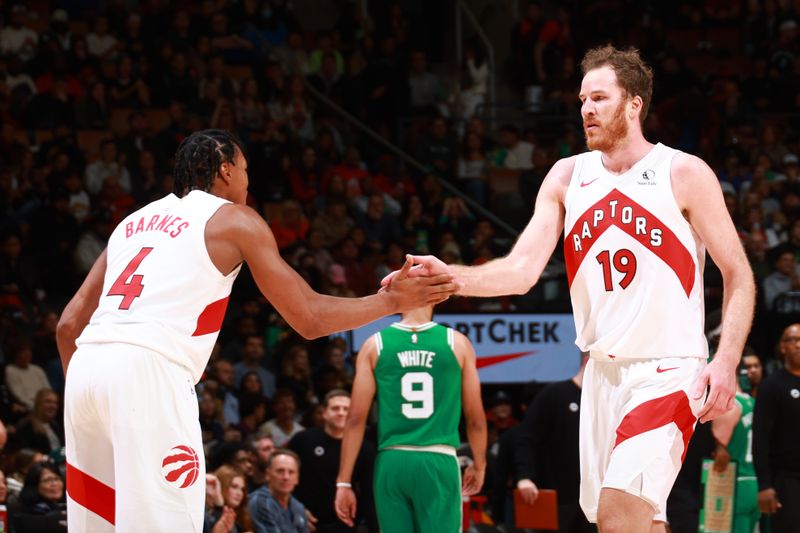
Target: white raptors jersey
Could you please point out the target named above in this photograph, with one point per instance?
(161, 290)
(634, 264)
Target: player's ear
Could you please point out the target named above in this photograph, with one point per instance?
(224, 172)
(635, 106)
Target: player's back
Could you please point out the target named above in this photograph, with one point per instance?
(418, 384)
(161, 290)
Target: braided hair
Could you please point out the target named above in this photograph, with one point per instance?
(199, 157)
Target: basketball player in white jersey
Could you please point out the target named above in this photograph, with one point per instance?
(637, 219)
(136, 338)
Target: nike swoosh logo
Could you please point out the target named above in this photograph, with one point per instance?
(587, 183)
(483, 362)
(660, 370)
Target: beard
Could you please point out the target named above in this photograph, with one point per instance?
(610, 134)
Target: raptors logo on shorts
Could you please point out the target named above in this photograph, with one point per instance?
(181, 466)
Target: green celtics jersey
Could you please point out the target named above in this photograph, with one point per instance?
(418, 384)
(741, 444)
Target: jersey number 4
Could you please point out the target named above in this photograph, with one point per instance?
(417, 387)
(623, 261)
(129, 290)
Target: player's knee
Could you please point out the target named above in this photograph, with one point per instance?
(611, 521)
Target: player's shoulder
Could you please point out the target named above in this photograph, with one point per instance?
(688, 167)
(563, 168)
(237, 219)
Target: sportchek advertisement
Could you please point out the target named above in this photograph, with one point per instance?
(511, 348)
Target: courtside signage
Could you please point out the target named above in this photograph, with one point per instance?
(511, 348)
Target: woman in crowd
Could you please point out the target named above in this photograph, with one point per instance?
(43, 507)
(234, 496)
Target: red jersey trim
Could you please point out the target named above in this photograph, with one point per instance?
(210, 320)
(598, 218)
(91, 493)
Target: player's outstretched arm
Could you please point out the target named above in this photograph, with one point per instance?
(78, 312)
(362, 395)
(312, 314)
(699, 195)
(474, 415)
(722, 429)
(518, 271)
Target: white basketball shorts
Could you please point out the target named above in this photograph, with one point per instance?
(637, 417)
(133, 444)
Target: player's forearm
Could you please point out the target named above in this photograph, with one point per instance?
(737, 313)
(331, 314)
(499, 277)
(351, 444)
(477, 437)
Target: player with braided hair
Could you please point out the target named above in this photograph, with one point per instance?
(137, 336)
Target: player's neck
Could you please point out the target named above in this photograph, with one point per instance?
(626, 153)
(793, 370)
(416, 317)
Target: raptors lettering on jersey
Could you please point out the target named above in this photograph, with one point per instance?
(616, 209)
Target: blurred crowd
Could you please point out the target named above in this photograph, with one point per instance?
(95, 97)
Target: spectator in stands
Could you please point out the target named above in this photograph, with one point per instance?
(293, 55)
(476, 77)
(328, 79)
(472, 168)
(501, 412)
(128, 89)
(293, 109)
(234, 496)
(262, 446)
(325, 46)
(253, 361)
(109, 164)
(250, 110)
(101, 43)
(225, 377)
(19, 284)
(318, 449)
(93, 240)
(547, 450)
(23, 378)
(211, 420)
(283, 427)
(82, 64)
(21, 463)
(42, 430)
(513, 153)
(306, 177)
(755, 244)
(234, 48)
(17, 40)
(334, 223)
(272, 507)
(43, 505)
(252, 412)
(295, 374)
(291, 227)
(784, 279)
(438, 148)
(775, 435)
(428, 94)
(380, 226)
(754, 372)
(182, 35)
